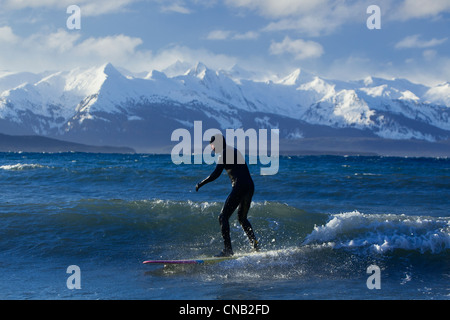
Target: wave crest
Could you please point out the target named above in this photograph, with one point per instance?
(383, 232)
(20, 166)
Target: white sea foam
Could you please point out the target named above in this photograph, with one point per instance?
(383, 232)
(20, 166)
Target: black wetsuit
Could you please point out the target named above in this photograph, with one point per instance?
(240, 196)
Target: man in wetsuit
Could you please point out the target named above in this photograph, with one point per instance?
(241, 194)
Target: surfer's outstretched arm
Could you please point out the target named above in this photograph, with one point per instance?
(213, 176)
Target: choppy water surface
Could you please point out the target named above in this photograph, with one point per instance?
(322, 221)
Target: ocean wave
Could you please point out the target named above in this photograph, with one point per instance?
(178, 225)
(383, 232)
(173, 222)
(21, 166)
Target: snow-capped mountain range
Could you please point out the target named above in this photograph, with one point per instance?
(103, 105)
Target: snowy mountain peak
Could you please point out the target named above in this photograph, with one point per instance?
(291, 79)
(296, 78)
(86, 82)
(439, 94)
(103, 97)
(196, 70)
(177, 69)
(110, 70)
(155, 75)
(200, 71)
(368, 81)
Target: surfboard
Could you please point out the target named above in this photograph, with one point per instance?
(192, 261)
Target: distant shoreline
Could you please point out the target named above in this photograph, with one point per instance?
(333, 146)
(9, 143)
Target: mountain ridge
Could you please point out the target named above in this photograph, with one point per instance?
(102, 105)
(9, 143)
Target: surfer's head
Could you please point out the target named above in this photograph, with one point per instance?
(217, 142)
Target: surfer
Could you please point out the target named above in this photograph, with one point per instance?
(241, 194)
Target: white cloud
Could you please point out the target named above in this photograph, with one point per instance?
(177, 8)
(88, 7)
(182, 6)
(168, 56)
(65, 50)
(414, 41)
(226, 35)
(218, 35)
(299, 48)
(404, 9)
(309, 25)
(118, 48)
(318, 17)
(312, 18)
(60, 41)
(250, 35)
(7, 36)
(410, 9)
(429, 55)
(431, 70)
(284, 21)
(278, 8)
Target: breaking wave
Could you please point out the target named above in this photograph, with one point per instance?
(21, 166)
(383, 232)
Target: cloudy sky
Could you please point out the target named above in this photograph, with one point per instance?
(327, 37)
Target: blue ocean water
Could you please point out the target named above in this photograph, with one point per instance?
(322, 222)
